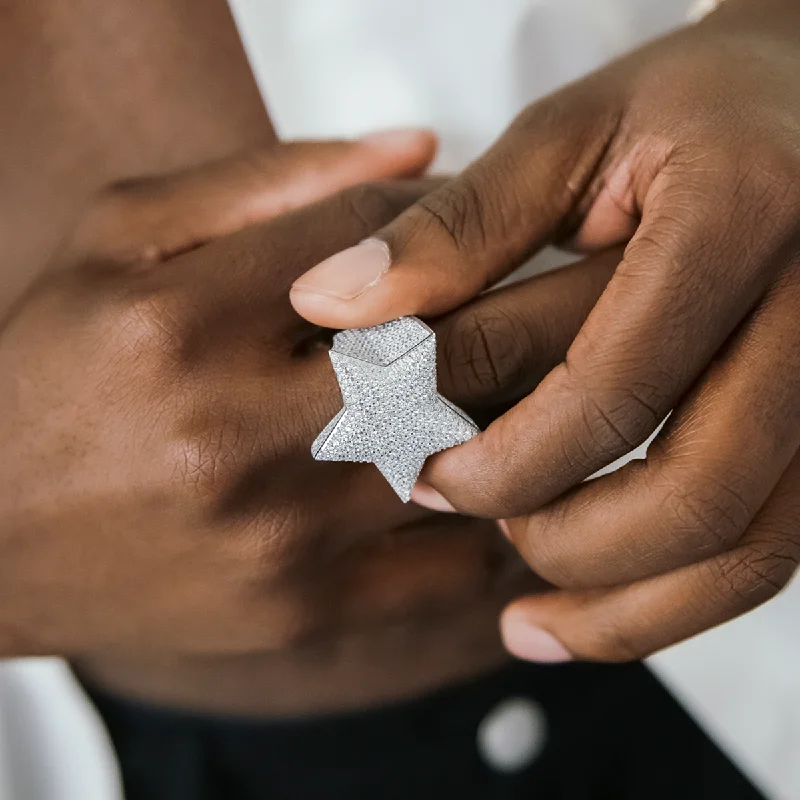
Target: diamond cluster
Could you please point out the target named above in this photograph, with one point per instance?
(393, 416)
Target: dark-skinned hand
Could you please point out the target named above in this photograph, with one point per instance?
(159, 398)
(688, 152)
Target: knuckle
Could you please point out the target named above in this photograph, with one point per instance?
(295, 618)
(647, 247)
(234, 470)
(757, 571)
(133, 343)
(150, 326)
(291, 632)
(221, 461)
(309, 606)
(761, 192)
(108, 228)
(614, 422)
(666, 243)
(543, 547)
(493, 495)
(457, 211)
(590, 117)
(581, 109)
(772, 193)
(705, 513)
(608, 640)
(284, 542)
(208, 457)
(483, 352)
(371, 204)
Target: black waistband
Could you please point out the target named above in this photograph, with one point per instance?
(613, 733)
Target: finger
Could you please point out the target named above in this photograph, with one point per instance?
(706, 474)
(460, 239)
(423, 571)
(407, 576)
(403, 576)
(495, 350)
(250, 470)
(658, 323)
(154, 217)
(633, 621)
(192, 298)
(254, 473)
(223, 310)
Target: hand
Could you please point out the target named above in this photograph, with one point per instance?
(431, 638)
(151, 219)
(687, 150)
(157, 487)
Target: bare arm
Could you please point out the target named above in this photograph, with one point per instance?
(95, 90)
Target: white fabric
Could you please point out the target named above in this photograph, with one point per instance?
(464, 67)
(52, 743)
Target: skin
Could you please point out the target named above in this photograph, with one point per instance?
(95, 91)
(145, 89)
(687, 153)
(161, 408)
(162, 514)
(162, 518)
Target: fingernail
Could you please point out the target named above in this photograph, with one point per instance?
(396, 138)
(427, 497)
(529, 642)
(503, 525)
(347, 275)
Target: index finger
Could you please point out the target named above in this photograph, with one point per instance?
(152, 218)
(459, 240)
(661, 319)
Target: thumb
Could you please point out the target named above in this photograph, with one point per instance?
(462, 238)
(152, 218)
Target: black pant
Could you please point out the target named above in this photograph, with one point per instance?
(614, 733)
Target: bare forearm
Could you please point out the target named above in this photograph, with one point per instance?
(95, 90)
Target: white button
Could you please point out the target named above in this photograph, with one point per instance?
(512, 734)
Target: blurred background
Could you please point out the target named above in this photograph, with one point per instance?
(348, 67)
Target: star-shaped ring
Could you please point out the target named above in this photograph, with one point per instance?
(393, 415)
